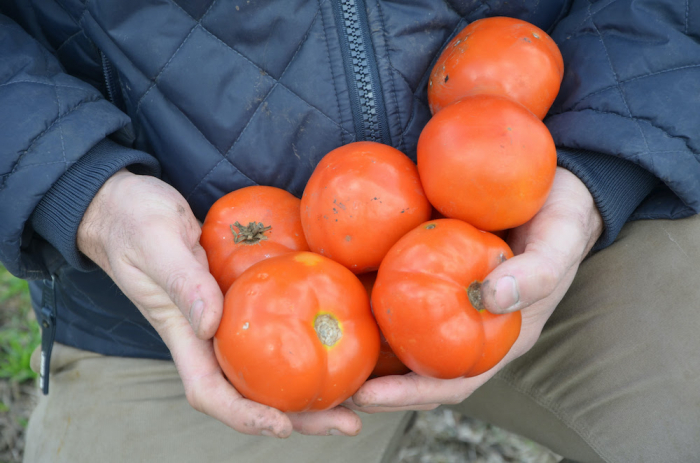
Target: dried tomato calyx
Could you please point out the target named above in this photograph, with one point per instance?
(327, 329)
(474, 293)
(253, 233)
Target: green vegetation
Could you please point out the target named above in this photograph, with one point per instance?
(19, 332)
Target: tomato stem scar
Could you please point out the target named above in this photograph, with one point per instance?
(327, 329)
(474, 293)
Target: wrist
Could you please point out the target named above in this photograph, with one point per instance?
(587, 212)
(95, 225)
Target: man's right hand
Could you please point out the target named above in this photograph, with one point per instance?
(143, 234)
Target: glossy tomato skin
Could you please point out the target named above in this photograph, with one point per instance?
(425, 295)
(387, 363)
(360, 199)
(501, 56)
(268, 343)
(488, 161)
(272, 207)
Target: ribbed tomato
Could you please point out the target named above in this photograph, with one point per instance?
(387, 363)
(488, 161)
(499, 56)
(360, 199)
(297, 333)
(248, 225)
(427, 300)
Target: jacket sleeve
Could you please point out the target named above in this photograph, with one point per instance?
(54, 155)
(626, 119)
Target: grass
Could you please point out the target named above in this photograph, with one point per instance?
(19, 332)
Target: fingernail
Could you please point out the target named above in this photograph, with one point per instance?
(506, 294)
(196, 311)
(268, 433)
(336, 432)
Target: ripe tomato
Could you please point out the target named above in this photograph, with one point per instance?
(488, 161)
(248, 225)
(427, 300)
(297, 333)
(360, 199)
(387, 363)
(500, 56)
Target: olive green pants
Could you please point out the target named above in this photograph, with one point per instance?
(615, 377)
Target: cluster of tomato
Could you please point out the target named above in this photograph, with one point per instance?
(359, 278)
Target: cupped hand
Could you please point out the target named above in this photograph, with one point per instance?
(142, 233)
(548, 250)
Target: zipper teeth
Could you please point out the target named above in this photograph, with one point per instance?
(361, 67)
(107, 72)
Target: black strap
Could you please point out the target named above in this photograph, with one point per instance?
(48, 331)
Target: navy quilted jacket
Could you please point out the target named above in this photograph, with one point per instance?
(214, 95)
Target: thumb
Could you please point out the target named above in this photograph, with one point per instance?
(521, 281)
(554, 244)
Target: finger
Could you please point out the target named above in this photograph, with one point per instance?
(181, 271)
(338, 421)
(208, 391)
(406, 408)
(554, 246)
(413, 390)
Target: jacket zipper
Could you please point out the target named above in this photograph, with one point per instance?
(114, 93)
(366, 99)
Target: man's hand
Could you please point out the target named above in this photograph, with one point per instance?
(548, 250)
(143, 234)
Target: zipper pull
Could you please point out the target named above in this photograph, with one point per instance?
(48, 331)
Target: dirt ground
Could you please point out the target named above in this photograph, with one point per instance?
(440, 436)
(19, 401)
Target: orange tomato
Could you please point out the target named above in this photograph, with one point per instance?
(488, 161)
(500, 56)
(249, 225)
(387, 363)
(427, 300)
(297, 333)
(360, 199)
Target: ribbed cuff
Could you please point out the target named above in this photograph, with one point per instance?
(618, 186)
(58, 214)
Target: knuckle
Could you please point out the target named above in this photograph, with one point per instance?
(175, 285)
(549, 274)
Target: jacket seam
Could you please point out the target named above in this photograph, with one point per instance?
(165, 66)
(635, 119)
(402, 142)
(619, 87)
(7, 175)
(277, 81)
(43, 83)
(591, 13)
(69, 39)
(205, 139)
(60, 127)
(211, 171)
(625, 81)
(330, 67)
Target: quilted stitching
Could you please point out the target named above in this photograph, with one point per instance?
(199, 25)
(614, 73)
